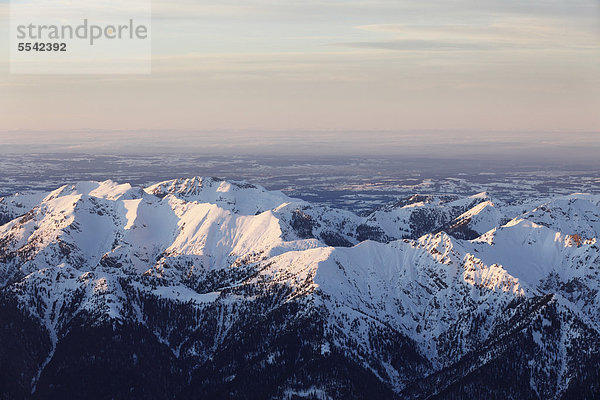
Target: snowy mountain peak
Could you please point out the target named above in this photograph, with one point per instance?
(104, 190)
(208, 276)
(239, 197)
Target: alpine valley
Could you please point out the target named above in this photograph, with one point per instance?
(207, 289)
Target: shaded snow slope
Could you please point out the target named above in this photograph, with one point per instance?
(443, 286)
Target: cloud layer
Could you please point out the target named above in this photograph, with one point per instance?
(333, 64)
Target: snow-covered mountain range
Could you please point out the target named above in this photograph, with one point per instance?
(203, 288)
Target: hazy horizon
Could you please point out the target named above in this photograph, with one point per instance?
(545, 147)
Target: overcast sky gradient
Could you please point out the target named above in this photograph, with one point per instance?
(398, 65)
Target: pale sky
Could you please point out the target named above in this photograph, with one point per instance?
(336, 65)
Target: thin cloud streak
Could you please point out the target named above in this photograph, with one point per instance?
(339, 64)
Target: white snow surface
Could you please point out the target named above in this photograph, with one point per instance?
(87, 236)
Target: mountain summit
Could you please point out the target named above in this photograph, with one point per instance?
(209, 289)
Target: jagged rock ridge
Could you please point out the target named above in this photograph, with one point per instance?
(203, 288)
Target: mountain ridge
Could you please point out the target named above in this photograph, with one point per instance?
(235, 289)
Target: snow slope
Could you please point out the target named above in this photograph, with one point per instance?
(226, 251)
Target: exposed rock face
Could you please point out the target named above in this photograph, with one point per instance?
(202, 288)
